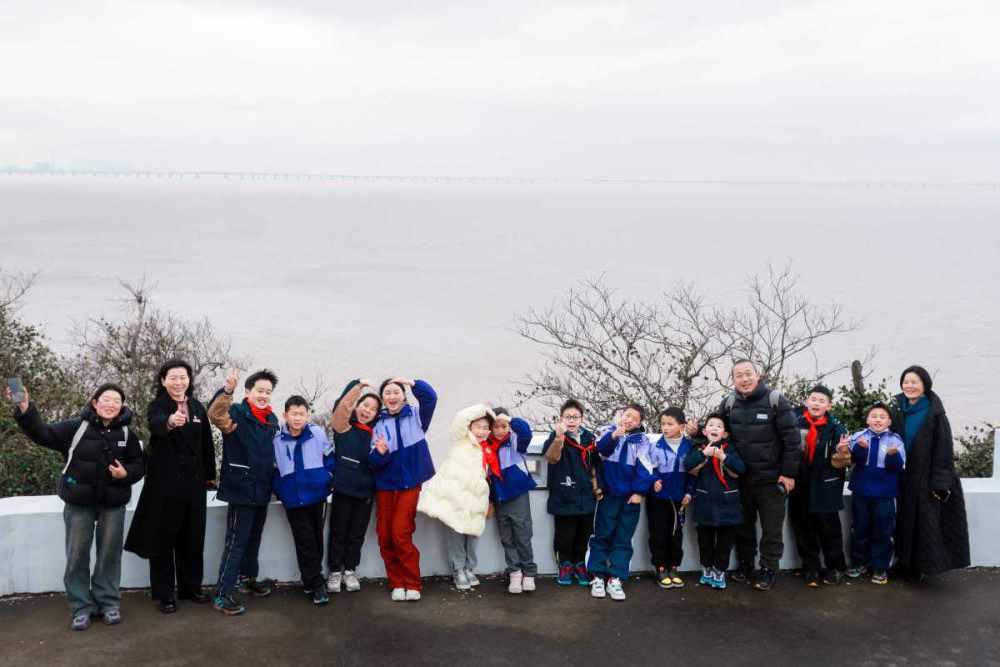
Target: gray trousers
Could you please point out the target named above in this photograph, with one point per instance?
(514, 525)
(86, 593)
(461, 550)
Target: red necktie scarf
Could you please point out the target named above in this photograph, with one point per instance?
(717, 465)
(364, 427)
(491, 455)
(813, 435)
(584, 450)
(260, 413)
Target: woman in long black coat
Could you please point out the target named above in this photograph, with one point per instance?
(932, 533)
(169, 523)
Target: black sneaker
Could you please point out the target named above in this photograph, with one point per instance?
(740, 575)
(258, 589)
(319, 596)
(812, 579)
(833, 577)
(228, 605)
(764, 580)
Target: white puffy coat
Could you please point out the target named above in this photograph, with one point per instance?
(458, 494)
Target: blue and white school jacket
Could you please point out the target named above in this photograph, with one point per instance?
(515, 479)
(407, 463)
(669, 468)
(876, 473)
(303, 472)
(626, 467)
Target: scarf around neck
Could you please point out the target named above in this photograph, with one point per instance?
(260, 413)
(809, 453)
(491, 455)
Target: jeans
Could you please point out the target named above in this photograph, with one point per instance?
(86, 593)
(514, 525)
(611, 543)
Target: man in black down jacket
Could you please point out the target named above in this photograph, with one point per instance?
(765, 432)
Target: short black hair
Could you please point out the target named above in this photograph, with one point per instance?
(501, 411)
(571, 403)
(921, 373)
(387, 382)
(264, 374)
(169, 366)
(743, 361)
(296, 401)
(109, 386)
(638, 408)
(822, 389)
(721, 417)
(676, 413)
(878, 405)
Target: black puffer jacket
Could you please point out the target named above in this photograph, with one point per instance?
(87, 480)
(767, 438)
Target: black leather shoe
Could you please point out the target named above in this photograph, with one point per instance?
(197, 597)
(168, 606)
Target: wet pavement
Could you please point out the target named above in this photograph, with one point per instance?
(947, 621)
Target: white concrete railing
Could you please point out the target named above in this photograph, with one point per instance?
(32, 556)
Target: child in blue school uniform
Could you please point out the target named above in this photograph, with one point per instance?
(510, 481)
(672, 491)
(303, 478)
(627, 476)
(878, 457)
(717, 509)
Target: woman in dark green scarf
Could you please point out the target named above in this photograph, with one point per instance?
(932, 533)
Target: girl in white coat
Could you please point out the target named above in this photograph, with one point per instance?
(459, 495)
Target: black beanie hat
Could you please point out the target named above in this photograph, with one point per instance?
(822, 389)
(921, 373)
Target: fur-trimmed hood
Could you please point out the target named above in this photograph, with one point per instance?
(458, 494)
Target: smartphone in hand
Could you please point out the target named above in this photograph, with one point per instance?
(16, 388)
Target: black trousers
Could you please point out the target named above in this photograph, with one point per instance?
(184, 568)
(715, 544)
(307, 533)
(572, 534)
(815, 533)
(666, 533)
(349, 517)
(762, 501)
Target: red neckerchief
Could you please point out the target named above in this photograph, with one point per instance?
(260, 413)
(717, 465)
(585, 450)
(364, 427)
(491, 455)
(813, 435)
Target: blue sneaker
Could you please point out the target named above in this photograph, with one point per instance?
(565, 577)
(581, 574)
(719, 579)
(706, 577)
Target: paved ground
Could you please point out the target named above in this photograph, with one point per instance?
(954, 620)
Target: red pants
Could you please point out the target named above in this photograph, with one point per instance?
(395, 521)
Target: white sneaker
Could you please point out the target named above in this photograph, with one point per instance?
(597, 587)
(333, 582)
(615, 589)
(516, 584)
(461, 580)
(471, 576)
(398, 594)
(412, 596)
(351, 582)
(528, 583)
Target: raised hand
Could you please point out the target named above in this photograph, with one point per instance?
(842, 446)
(691, 427)
(231, 380)
(862, 442)
(365, 382)
(381, 444)
(177, 419)
(23, 405)
(559, 428)
(406, 382)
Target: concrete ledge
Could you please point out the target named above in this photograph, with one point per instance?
(32, 554)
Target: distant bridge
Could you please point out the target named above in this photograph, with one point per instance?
(162, 174)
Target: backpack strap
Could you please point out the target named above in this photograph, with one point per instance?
(77, 437)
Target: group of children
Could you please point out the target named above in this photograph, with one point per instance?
(597, 483)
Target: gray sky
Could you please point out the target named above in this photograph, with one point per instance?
(845, 89)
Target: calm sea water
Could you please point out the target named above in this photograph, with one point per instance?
(345, 280)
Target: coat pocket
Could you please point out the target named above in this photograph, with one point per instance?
(237, 482)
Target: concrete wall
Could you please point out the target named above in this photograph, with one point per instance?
(32, 555)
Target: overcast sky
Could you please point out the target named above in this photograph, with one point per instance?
(844, 89)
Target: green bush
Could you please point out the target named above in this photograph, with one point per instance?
(975, 456)
(850, 405)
